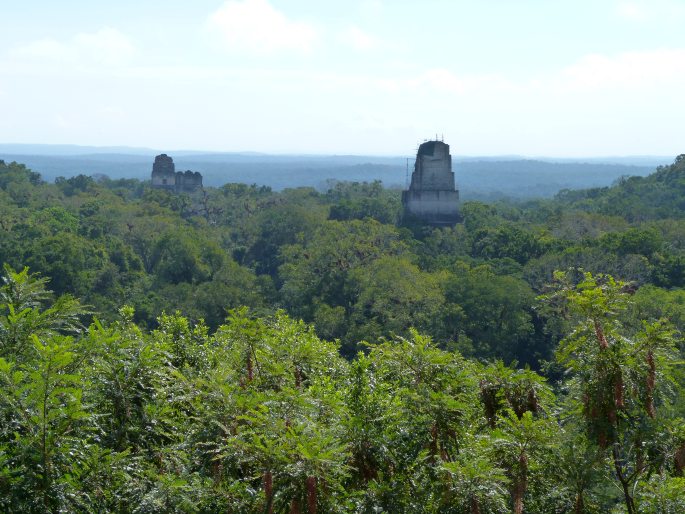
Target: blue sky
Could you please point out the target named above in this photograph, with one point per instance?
(529, 77)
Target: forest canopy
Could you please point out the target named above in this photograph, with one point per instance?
(342, 259)
(245, 350)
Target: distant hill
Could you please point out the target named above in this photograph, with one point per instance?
(660, 195)
(477, 177)
(64, 150)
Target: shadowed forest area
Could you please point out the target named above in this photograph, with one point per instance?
(249, 350)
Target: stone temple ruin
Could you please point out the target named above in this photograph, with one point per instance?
(432, 197)
(165, 176)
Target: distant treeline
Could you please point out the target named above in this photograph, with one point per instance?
(485, 179)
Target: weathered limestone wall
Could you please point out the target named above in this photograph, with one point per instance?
(188, 182)
(433, 168)
(432, 196)
(164, 172)
(165, 176)
(434, 207)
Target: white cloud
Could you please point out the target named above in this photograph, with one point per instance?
(659, 11)
(257, 27)
(63, 122)
(444, 81)
(631, 11)
(359, 39)
(440, 79)
(107, 47)
(371, 8)
(630, 70)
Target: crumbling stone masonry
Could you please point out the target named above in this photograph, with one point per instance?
(165, 176)
(432, 196)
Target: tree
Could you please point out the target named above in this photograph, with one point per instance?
(44, 421)
(392, 295)
(23, 315)
(619, 378)
(354, 200)
(318, 270)
(522, 444)
(495, 312)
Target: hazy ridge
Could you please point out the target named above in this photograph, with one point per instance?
(477, 177)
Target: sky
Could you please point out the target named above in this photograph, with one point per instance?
(366, 77)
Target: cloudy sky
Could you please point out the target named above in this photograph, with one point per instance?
(530, 77)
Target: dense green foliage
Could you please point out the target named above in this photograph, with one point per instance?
(263, 416)
(339, 259)
(180, 380)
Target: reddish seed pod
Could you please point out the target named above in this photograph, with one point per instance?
(679, 460)
(602, 439)
(295, 507)
(650, 383)
(618, 391)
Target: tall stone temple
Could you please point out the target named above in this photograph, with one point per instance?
(432, 196)
(165, 176)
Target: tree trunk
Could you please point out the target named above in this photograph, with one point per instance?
(630, 503)
(601, 338)
(434, 440)
(250, 373)
(521, 484)
(579, 506)
(518, 500)
(311, 495)
(268, 491)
